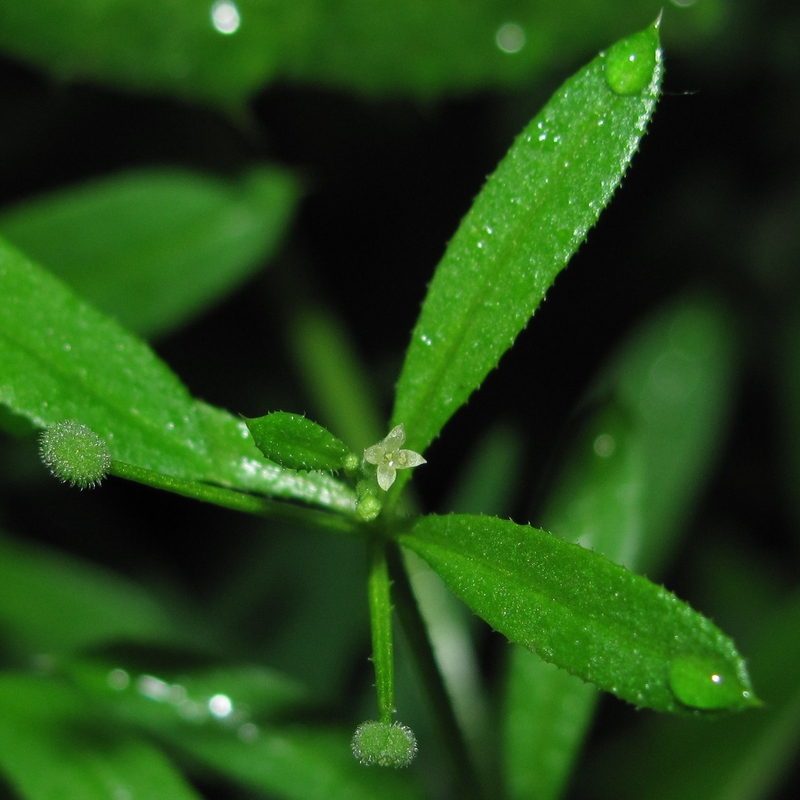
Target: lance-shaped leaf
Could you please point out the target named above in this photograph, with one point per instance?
(653, 422)
(293, 441)
(526, 223)
(242, 740)
(224, 51)
(584, 613)
(154, 247)
(51, 745)
(61, 359)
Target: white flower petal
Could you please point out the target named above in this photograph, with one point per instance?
(395, 438)
(375, 454)
(405, 459)
(386, 476)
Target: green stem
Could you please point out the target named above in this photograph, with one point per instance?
(380, 613)
(467, 778)
(229, 498)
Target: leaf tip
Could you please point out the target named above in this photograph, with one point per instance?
(631, 64)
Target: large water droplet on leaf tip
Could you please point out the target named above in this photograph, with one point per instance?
(630, 63)
(706, 684)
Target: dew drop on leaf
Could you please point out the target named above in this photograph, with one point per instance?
(705, 684)
(630, 63)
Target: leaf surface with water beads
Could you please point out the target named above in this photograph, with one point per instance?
(61, 359)
(584, 613)
(521, 231)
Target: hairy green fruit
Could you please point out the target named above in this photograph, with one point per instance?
(384, 744)
(75, 454)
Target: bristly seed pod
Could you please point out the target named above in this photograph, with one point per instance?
(384, 744)
(75, 454)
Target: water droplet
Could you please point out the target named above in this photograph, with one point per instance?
(118, 679)
(604, 445)
(248, 732)
(630, 63)
(706, 684)
(220, 705)
(152, 687)
(225, 16)
(510, 37)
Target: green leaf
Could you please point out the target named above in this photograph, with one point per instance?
(546, 714)
(225, 719)
(297, 763)
(425, 47)
(296, 442)
(168, 691)
(51, 747)
(657, 414)
(152, 248)
(61, 359)
(582, 612)
(490, 476)
(170, 48)
(50, 603)
(521, 231)
(739, 758)
(659, 411)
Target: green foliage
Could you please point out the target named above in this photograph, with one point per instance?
(296, 442)
(77, 605)
(155, 247)
(48, 748)
(423, 47)
(583, 613)
(61, 359)
(530, 218)
(632, 473)
(241, 658)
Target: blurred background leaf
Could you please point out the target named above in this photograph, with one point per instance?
(51, 746)
(648, 433)
(77, 605)
(224, 51)
(153, 248)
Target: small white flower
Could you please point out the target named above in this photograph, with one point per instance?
(388, 457)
